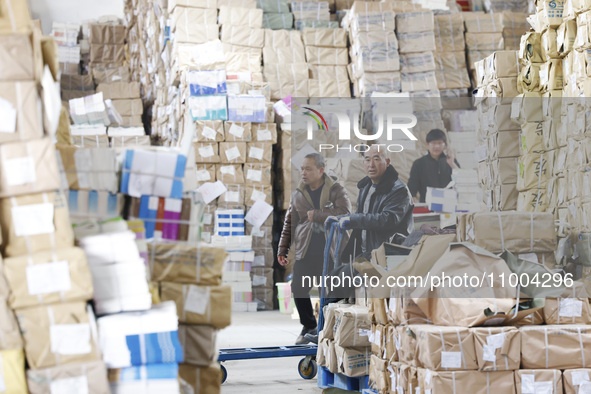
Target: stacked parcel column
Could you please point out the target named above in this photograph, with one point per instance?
(499, 150)
(47, 279)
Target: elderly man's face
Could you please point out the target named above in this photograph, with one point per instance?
(375, 164)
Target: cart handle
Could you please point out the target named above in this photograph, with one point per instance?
(332, 229)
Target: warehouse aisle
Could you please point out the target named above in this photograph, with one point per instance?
(267, 375)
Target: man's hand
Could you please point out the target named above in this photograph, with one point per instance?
(283, 260)
(330, 220)
(345, 222)
(311, 215)
(451, 157)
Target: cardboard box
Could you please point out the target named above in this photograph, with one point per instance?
(119, 90)
(196, 304)
(484, 231)
(24, 118)
(102, 33)
(257, 173)
(264, 132)
(51, 229)
(444, 348)
(497, 348)
(199, 344)
(13, 371)
(89, 377)
(237, 16)
(58, 334)
(447, 23)
(10, 335)
(555, 346)
(48, 277)
(237, 131)
(548, 380)
(279, 55)
(207, 380)
(444, 382)
(576, 380)
(287, 79)
(129, 107)
(259, 153)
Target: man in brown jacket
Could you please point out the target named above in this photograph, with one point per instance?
(317, 197)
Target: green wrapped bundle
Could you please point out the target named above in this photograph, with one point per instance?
(273, 6)
(278, 21)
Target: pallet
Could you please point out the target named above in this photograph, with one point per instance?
(328, 379)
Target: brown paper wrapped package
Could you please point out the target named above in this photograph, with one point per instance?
(119, 90)
(257, 173)
(572, 308)
(40, 381)
(264, 297)
(476, 382)
(10, 335)
(107, 53)
(206, 152)
(560, 347)
(217, 309)
(244, 36)
(29, 167)
(444, 348)
(406, 344)
(57, 334)
(198, 343)
(129, 107)
(233, 152)
(379, 376)
(573, 379)
(201, 380)
(206, 129)
(353, 362)
(354, 327)
(264, 132)
(517, 234)
(25, 100)
(205, 172)
(238, 16)
(378, 340)
(230, 173)
(287, 79)
(237, 131)
(538, 380)
(179, 263)
(21, 273)
(61, 237)
(497, 348)
(331, 357)
(325, 37)
(102, 33)
(21, 57)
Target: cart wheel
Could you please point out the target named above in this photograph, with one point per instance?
(310, 372)
(224, 374)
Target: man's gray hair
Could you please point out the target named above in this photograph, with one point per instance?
(318, 159)
(376, 149)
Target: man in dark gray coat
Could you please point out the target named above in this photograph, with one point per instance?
(384, 207)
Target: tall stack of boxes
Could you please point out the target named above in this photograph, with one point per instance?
(285, 67)
(191, 277)
(416, 41)
(375, 62)
(45, 279)
(484, 35)
(327, 58)
(66, 37)
(450, 53)
(498, 154)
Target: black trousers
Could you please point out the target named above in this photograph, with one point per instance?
(309, 266)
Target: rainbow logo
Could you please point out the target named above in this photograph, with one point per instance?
(323, 125)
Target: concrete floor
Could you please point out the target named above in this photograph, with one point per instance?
(265, 376)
